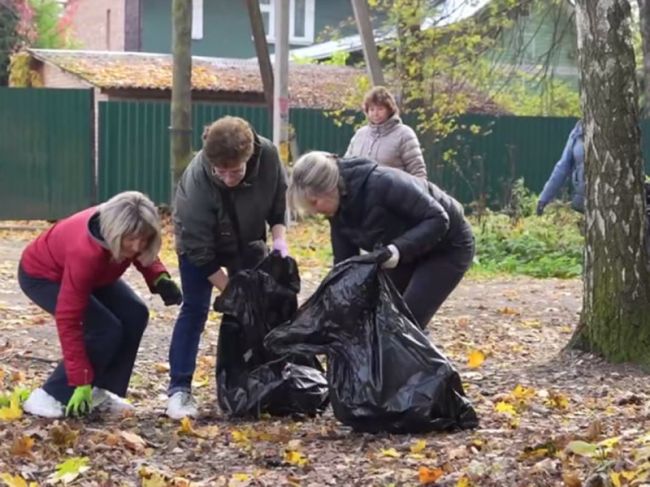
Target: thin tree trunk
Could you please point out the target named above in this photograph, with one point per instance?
(644, 18)
(615, 319)
(181, 106)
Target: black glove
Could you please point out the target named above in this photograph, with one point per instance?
(540, 208)
(218, 302)
(168, 290)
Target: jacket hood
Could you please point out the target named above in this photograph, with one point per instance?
(354, 174)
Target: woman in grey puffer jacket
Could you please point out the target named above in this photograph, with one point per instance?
(386, 140)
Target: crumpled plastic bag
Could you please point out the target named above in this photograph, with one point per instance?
(384, 373)
(250, 379)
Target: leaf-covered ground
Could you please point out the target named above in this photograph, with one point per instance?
(547, 418)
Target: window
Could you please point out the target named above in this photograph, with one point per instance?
(301, 20)
(197, 19)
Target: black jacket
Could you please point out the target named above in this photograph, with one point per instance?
(382, 205)
(203, 229)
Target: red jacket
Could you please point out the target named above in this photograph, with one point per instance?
(69, 254)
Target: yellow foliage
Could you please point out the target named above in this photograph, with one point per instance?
(16, 481)
(475, 359)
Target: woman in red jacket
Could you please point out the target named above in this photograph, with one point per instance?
(73, 271)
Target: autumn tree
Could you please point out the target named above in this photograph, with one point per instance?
(615, 320)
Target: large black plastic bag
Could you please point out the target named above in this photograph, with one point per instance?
(250, 379)
(383, 372)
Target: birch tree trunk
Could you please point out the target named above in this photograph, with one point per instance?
(615, 319)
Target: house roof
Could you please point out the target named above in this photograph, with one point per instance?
(448, 12)
(310, 85)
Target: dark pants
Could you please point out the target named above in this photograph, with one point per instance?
(427, 282)
(113, 325)
(197, 292)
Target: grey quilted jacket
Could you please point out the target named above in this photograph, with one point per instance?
(391, 144)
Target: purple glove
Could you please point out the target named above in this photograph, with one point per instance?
(280, 245)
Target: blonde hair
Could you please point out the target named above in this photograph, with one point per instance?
(130, 214)
(379, 95)
(228, 142)
(314, 174)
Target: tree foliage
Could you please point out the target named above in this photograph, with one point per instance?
(45, 24)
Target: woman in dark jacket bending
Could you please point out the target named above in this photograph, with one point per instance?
(426, 243)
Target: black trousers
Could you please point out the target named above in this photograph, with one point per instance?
(113, 326)
(426, 283)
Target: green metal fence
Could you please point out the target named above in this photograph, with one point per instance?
(134, 140)
(134, 147)
(46, 163)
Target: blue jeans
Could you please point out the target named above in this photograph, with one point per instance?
(113, 325)
(197, 293)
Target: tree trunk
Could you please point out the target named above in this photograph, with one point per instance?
(181, 107)
(615, 319)
(644, 18)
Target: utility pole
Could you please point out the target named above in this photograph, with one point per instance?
(281, 89)
(262, 51)
(362, 17)
(181, 106)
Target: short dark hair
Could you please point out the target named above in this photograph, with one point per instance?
(379, 95)
(228, 142)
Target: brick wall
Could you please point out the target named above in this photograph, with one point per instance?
(99, 25)
(55, 77)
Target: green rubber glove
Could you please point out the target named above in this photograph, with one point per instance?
(81, 401)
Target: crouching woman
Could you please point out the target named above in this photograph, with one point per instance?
(426, 245)
(73, 271)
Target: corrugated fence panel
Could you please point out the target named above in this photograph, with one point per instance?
(46, 166)
(134, 149)
(317, 131)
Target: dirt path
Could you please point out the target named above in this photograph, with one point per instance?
(520, 324)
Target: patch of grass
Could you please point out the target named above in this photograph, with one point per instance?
(546, 246)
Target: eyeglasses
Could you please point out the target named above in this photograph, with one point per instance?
(222, 173)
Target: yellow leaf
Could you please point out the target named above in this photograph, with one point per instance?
(69, 470)
(186, 427)
(475, 359)
(295, 458)
(463, 482)
(239, 436)
(523, 393)
(610, 442)
(152, 478)
(16, 481)
(13, 411)
(418, 446)
(615, 477)
(241, 477)
(390, 452)
(504, 407)
(428, 475)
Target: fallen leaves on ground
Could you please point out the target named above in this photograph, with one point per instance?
(546, 418)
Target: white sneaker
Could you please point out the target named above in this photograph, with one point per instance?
(106, 401)
(40, 403)
(182, 404)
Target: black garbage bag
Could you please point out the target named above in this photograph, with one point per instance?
(384, 373)
(250, 379)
